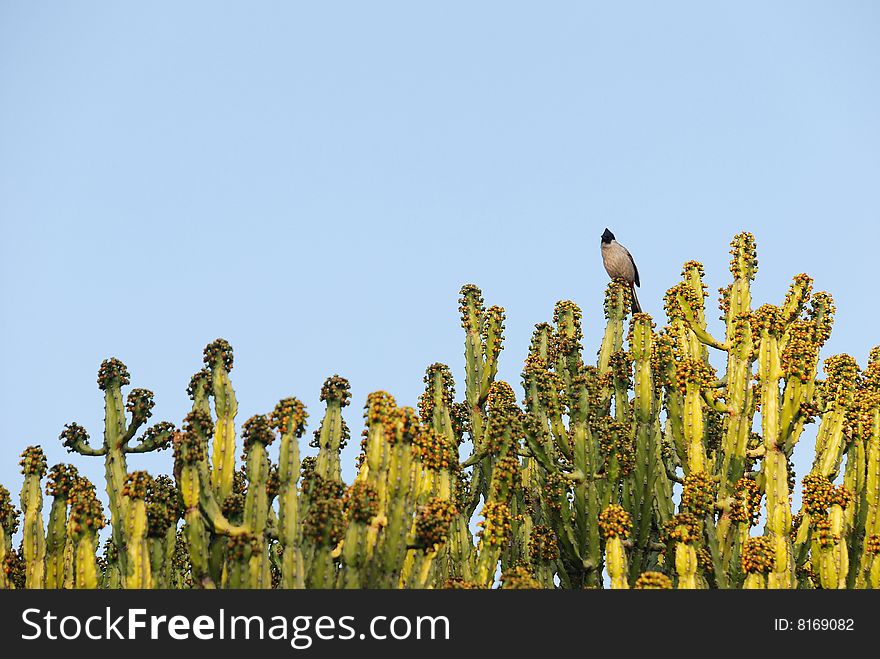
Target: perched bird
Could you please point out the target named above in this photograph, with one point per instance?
(619, 263)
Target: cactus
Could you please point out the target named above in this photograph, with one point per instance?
(571, 488)
(119, 431)
(615, 523)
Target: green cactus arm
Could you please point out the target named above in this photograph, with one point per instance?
(200, 389)
(797, 297)
(156, 438)
(838, 392)
(76, 440)
(700, 331)
(538, 452)
(139, 404)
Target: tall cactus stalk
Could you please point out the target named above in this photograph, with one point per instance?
(137, 562)
(163, 513)
(218, 358)
(868, 574)
(60, 482)
(289, 419)
(86, 520)
(774, 464)
(484, 337)
(33, 466)
(257, 435)
(615, 523)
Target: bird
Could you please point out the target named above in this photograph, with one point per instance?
(619, 263)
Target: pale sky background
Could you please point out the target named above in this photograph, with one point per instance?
(315, 181)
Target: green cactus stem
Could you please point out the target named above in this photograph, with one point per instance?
(333, 434)
(869, 428)
(431, 530)
(33, 466)
(770, 324)
(758, 559)
(684, 532)
(484, 338)
(138, 572)
(257, 434)
(218, 358)
(289, 420)
(61, 479)
(495, 529)
(323, 529)
(8, 527)
(85, 521)
(440, 414)
(831, 551)
(163, 513)
(615, 524)
(361, 504)
(190, 449)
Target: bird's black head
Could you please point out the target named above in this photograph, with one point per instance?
(607, 237)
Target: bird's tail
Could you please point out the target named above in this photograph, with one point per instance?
(637, 308)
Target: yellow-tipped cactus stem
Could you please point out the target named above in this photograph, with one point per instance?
(615, 524)
(33, 466)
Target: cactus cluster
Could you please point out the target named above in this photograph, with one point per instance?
(650, 468)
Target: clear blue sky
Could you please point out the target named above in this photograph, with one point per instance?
(315, 181)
